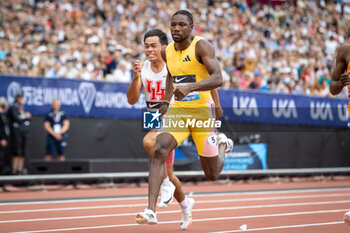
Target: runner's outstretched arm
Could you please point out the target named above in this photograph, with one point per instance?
(134, 91)
(168, 94)
(218, 109)
(339, 78)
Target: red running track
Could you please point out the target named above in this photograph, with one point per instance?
(305, 205)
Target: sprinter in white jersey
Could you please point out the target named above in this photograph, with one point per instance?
(151, 76)
(154, 85)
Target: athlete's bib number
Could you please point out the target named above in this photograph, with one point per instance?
(183, 80)
(213, 140)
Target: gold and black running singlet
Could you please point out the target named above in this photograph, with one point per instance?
(184, 68)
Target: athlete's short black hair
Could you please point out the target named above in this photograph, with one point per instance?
(157, 32)
(184, 12)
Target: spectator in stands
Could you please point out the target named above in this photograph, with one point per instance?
(19, 121)
(122, 74)
(71, 71)
(114, 60)
(54, 72)
(281, 88)
(85, 74)
(4, 138)
(246, 80)
(255, 84)
(56, 124)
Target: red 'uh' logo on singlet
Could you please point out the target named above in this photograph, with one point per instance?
(154, 88)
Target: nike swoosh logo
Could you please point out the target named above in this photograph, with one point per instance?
(177, 80)
(167, 202)
(153, 105)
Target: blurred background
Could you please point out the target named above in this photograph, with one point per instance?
(276, 59)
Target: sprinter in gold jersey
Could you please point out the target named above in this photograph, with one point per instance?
(193, 76)
(341, 79)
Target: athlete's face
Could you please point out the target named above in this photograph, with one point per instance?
(180, 28)
(153, 48)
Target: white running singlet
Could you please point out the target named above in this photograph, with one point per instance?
(153, 85)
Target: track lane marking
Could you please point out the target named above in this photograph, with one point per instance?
(282, 227)
(194, 220)
(197, 202)
(306, 190)
(178, 211)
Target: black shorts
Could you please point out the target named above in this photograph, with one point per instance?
(53, 146)
(18, 144)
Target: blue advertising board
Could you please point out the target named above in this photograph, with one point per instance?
(246, 157)
(78, 98)
(242, 157)
(262, 107)
(108, 100)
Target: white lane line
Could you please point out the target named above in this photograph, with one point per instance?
(177, 211)
(283, 227)
(195, 195)
(197, 202)
(194, 220)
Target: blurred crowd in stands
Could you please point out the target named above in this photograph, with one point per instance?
(288, 48)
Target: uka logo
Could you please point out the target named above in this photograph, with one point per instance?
(342, 112)
(245, 105)
(321, 110)
(285, 108)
